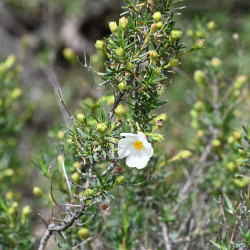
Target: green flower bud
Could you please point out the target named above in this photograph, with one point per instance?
(37, 192)
(121, 86)
(25, 213)
(199, 78)
(199, 33)
(153, 55)
(120, 111)
(83, 233)
(230, 140)
(236, 93)
(10, 61)
(215, 62)
(100, 45)
(101, 128)
(123, 22)
(174, 62)
(231, 167)
(69, 55)
(159, 24)
(8, 172)
(200, 133)
(194, 113)
(153, 27)
(211, 25)
(190, 33)
(239, 81)
(119, 179)
(240, 161)
(60, 134)
(78, 165)
(9, 195)
(175, 35)
(184, 154)
(113, 28)
(119, 52)
(237, 135)
(17, 92)
(89, 192)
(199, 44)
(162, 116)
(216, 143)
(80, 118)
(129, 66)
(70, 141)
(157, 16)
(198, 106)
(75, 177)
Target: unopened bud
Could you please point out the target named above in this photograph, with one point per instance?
(199, 44)
(159, 24)
(80, 118)
(231, 167)
(199, 77)
(26, 211)
(83, 233)
(77, 164)
(175, 35)
(216, 143)
(69, 55)
(123, 22)
(120, 111)
(200, 133)
(199, 33)
(184, 154)
(119, 179)
(211, 25)
(160, 123)
(100, 45)
(216, 62)
(174, 62)
(239, 81)
(37, 192)
(156, 137)
(70, 141)
(121, 86)
(153, 27)
(190, 33)
(60, 134)
(153, 55)
(198, 106)
(75, 177)
(230, 140)
(9, 195)
(113, 28)
(237, 135)
(119, 51)
(89, 192)
(129, 66)
(157, 16)
(101, 128)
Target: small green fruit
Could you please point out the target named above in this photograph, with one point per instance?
(75, 177)
(83, 233)
(175, 35)
(119, 179)
(157, 16)
(119, 51)
(89, 192)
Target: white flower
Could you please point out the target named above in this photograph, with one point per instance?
(136, 148)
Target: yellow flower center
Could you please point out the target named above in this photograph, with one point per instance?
(138, 145)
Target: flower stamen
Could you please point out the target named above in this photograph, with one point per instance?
(138, 145)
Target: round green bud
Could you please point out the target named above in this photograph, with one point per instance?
(9, 195)
(60, 134)
(100, 45)
(239, 81)
(78, 165)
(174, 62)
(200, 133)
(216, 143)
(11, 211)
(129, 66)
(199, 44)
(175, 35)
(153, 55)
(119, 51)
(157, 16)
(198, 106)
(26, 211)
(159, 24)
(156, 137)
(211, 25)
(70, 141)
(113, 28)
(69, 55)
(123, 22)
(199, 33)
(37, 192)
(190, 33)
(80, 118)
(230, 140)
(199, 77)
(237, 135)
(120, 111)
(101, 128)
(236, 93)
(119, 179)
(194, 113)
(17, 92)
(121, 86)
(75, 177)
(216, 62)
(231, 167)
(83, 233)
(184, 154)
(89, 192)
(153, 27)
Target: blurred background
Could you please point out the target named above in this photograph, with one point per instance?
(44, 34)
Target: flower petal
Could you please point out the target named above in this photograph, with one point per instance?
(124, 146)
(137, 161)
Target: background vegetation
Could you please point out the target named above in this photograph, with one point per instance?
(35, 38)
